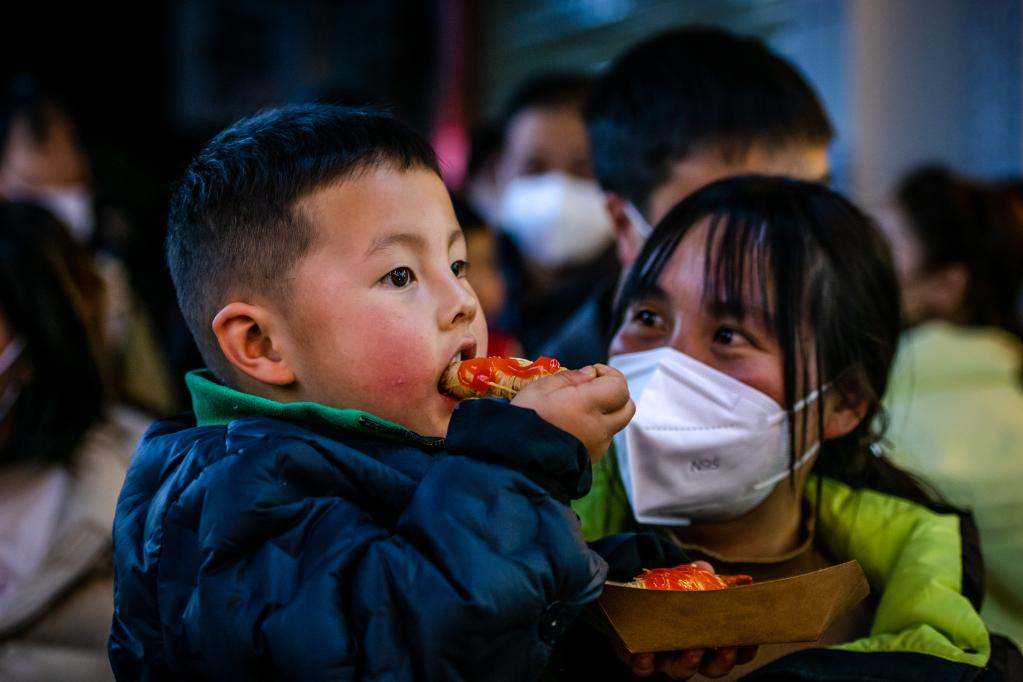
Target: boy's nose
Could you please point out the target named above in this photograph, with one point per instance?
(460, 304)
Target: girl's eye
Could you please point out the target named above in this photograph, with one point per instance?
(727, 336)
(460, 268)
(646, 317)
(399, 277)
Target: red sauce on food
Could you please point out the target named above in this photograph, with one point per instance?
(689, 578)
(479, 373)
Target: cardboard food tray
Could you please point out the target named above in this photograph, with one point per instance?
(796, 609)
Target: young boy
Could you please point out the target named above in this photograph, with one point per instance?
(327, 513)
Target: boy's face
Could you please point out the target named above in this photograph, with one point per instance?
(380, 305)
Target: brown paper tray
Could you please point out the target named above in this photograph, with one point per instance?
(796, 609)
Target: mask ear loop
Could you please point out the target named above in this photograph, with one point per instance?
(636, 218)
(11, 353)
(8, 357)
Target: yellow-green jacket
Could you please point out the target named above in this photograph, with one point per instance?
(921, 566)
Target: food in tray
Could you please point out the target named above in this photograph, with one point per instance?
(687, 577)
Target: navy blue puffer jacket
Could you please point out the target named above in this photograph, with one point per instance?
(263, 549)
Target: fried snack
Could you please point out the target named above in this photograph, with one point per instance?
(495, 377)
(687, 577)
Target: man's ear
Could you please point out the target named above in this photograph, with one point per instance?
(846, 409)
(627, 237)
(245, 334)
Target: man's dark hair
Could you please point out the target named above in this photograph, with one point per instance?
(233, 224)
(688, 91)
(546, 91)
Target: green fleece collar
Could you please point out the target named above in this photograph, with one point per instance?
(216, 404)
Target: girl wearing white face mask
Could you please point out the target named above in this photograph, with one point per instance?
(756, 330)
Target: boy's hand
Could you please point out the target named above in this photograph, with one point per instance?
(591, 403)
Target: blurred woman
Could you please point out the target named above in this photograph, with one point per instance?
(956, 394)
(63, 455)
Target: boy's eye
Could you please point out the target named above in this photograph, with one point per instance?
(460, 268)
(398, 277)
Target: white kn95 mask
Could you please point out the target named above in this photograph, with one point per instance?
(702, 444)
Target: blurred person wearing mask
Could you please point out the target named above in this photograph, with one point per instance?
(558, 244)
(956, 395)
(485, 276)
(671, 114)
(42, 161)
(64, 451)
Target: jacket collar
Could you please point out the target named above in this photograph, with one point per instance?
(912, 557)
(215, 404)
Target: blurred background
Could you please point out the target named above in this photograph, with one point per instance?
(905, 81)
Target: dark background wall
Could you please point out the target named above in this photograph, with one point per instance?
(149, 82)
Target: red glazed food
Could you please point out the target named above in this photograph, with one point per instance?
(687, 578)
(498, 377)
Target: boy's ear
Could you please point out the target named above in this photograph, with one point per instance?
(244, 332)
(846, 409)
(628, 240)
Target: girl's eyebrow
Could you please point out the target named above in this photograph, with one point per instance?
(741, 310)
(654, 291)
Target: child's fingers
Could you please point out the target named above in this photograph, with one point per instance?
(719, 663)
(576, 376)
(617, 420)
(607, 392)
(642, 665)
(680, 665)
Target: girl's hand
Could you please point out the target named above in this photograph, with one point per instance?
(681, 665)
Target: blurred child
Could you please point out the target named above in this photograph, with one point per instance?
(756, 329)
(64, 449)
(328, 513)
(956, 394)
(550, 209)
(485, 277)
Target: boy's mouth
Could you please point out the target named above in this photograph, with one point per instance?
(465, 351)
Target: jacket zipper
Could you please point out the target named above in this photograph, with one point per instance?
(433, 443)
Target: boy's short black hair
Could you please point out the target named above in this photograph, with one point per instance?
(233, 226)
(690, 90)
